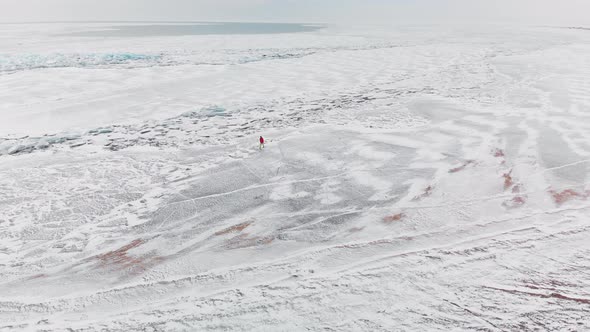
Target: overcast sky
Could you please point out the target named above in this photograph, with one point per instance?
(567, 12)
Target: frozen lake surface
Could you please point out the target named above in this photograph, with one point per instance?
(415, 178)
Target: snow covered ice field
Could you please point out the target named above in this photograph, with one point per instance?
(423, 178)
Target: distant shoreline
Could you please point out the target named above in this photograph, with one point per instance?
(163, 22)
(191, 29)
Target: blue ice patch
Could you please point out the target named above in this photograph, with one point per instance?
(11, 63)
(210, 111)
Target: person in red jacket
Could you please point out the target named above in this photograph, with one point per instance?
(261, 143)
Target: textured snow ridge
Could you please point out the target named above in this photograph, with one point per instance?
(15, 63)
(35, 61)
(442, 185)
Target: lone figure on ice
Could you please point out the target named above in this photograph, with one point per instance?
(261, 143)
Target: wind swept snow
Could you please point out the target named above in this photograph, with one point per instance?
(413, 179)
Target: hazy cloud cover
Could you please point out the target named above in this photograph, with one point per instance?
(357, 11)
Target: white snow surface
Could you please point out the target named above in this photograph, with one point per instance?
(414, 179)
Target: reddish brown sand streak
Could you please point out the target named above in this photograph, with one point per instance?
(244, 241)
(392, 218)
(121, 259)
(120, 256)
(508, 180)
(37, 276)
(499, 153)
(234, 229)
(427, 192)
(567, 195)
(545, 296)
